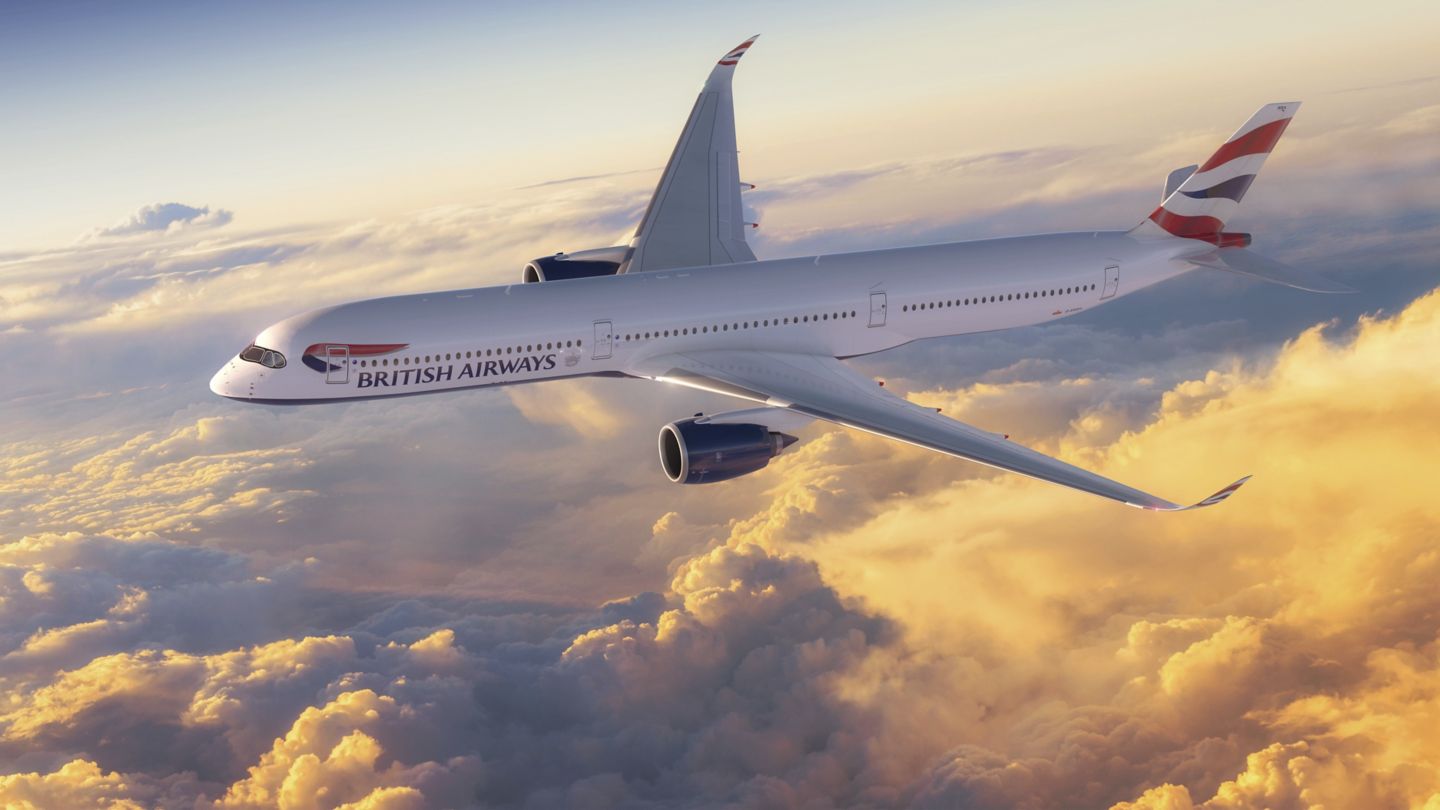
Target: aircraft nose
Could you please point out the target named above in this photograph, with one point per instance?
(234, 381)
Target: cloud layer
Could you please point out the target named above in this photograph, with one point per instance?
(1037, 649)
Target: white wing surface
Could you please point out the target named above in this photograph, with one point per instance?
(825, 388)
(695, 218)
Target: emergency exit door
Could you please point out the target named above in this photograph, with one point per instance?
(877, 309)
(604, 340)
(1112, 281)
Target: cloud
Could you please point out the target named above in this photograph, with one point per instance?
(588, 177)
(723, 692)
(327, 760)
(81, 783)
(885, 628)
(164, 217)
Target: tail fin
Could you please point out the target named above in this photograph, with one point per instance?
(1198, 208)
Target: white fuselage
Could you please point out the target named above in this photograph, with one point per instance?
(840, 306)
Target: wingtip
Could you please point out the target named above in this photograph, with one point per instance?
(1166, 506)
(733, 55)
(1221, 495)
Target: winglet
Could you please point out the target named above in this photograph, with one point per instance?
(738, 51)
(1210, 501)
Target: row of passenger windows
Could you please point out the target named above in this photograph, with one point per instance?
(700, 330)
(739, 325)
(421, 360)
(990, 299)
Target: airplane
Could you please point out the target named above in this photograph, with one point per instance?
(686, 302)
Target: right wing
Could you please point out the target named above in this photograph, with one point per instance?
(825, 388)
(695, 218)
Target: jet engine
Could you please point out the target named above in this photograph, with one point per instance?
(583, 264)
(699, 451)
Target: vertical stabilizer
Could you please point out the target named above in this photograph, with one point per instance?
(1200, 205)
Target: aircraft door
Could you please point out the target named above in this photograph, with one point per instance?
(604, 340)
(1112, 281)
(877, 309)
(337, 363)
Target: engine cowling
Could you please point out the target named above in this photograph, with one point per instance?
(694, 452)
(584, 264)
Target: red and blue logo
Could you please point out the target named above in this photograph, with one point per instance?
(323, 357)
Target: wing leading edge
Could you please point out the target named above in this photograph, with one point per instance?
(695, 218)
(826, 388)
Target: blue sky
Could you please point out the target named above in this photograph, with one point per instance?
(316, 112)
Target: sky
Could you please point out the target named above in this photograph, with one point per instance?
(495, 599)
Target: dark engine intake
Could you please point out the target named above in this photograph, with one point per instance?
(695, 452)
(583, 264)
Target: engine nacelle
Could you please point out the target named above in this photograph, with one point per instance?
(584, 264)
(695, 452)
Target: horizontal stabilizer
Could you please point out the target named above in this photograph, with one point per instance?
(1247, 263)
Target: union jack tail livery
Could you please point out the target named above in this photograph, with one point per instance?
(1209, 195)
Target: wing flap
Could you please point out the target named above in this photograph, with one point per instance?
(825, 388)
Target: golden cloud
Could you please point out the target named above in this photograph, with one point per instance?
(1316, 580)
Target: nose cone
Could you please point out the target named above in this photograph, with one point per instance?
(234, 380)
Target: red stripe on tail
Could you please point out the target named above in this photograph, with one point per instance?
(1259, 140)
(1207, 228)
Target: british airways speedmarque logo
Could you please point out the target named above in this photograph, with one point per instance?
(323, 356)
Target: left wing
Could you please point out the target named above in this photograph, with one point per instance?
(825, 388)
(695, 218)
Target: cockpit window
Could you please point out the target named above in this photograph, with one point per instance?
(265, 357)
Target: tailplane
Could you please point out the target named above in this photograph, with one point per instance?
(1249, 263)
(1198, 200)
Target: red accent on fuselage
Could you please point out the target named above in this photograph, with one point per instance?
(357, 349)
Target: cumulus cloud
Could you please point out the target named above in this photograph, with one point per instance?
(165, 218)
(724, 692)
